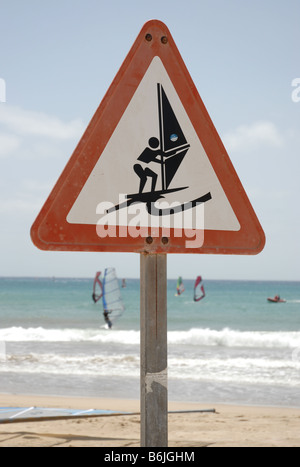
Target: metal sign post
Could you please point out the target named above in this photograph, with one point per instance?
(154, 377)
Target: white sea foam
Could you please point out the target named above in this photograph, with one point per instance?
(85, 365)
(230, 369)
(199, 355)
(193, 337)
(232, 338)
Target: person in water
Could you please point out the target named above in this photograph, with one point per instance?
(149, 155)
(107, 320)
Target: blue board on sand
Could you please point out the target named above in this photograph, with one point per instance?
(25, 414)
(17, 414)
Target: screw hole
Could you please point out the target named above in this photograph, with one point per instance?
(165, 240)
(164, 40)
(149, 240)
(148, 37)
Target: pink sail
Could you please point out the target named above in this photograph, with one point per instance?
(97, 288)
(199, 292)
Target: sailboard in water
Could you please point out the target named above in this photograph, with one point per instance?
(199, 292)
(180, 286)
(97, 288)
(113, 306)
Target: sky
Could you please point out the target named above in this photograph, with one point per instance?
(59, 57)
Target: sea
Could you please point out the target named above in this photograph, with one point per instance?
(232, 347)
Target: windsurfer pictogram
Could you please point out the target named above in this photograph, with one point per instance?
(150, 154)
(161, 159)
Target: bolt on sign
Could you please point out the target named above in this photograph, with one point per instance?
(150, 173)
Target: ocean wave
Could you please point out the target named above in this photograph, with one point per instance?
(250, 370)
(85, 365)
(232, 338)
(236, 370)
(19, 334)
(193, 337)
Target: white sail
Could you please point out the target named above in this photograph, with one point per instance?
(112, 301)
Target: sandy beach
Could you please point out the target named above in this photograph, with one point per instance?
(230, 426)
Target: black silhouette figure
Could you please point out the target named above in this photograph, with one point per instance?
(150, 154)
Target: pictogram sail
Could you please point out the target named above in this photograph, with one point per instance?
(174, 146)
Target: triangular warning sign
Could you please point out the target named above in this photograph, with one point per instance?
(150, 173)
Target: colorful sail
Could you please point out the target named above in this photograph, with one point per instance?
(97, 288)
(199, 292)
(180, 286)
(113, 307)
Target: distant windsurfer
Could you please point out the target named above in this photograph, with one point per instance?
(150, 154)
(106, 319)
(199, 292)
(97, 288)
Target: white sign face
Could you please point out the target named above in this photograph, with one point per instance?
(154, 160)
